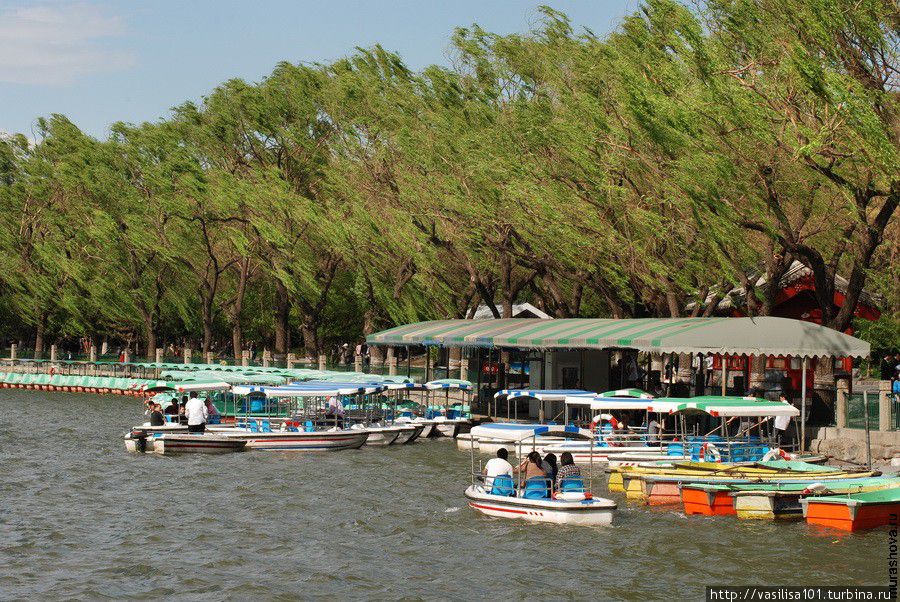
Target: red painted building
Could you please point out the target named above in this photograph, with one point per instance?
(797, 300)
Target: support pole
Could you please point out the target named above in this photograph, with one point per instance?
(322, 361)
(463, 364)
(724, 375)
(187, 355)
(208, 359)
(868, 440)
(159, 355)
(803, 406)
(12, 351)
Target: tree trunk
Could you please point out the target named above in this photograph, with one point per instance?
(150, 337)
(236, 335)
(310, 338)
(207, 335)
(376, 352)
(282, 318)
(39, 337)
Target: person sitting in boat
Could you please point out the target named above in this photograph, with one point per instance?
(335, 412)
(182, 409)
(497, 467)
(654, 432)
(212, 411)
(567, 469)
(156, 415)
(550, 467)
(173, 409)
(196, 413)
(536, 483)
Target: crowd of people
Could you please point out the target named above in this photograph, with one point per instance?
(190, 410)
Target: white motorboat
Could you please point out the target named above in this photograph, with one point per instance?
(453, 419)
(535, 499)
(488, 437)
(408, 433)
(427, 426)
(379, 435)
(451, 427)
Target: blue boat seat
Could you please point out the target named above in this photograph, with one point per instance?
(572, 484)
(503, 485)
(308, 426)
(266, 426)
(537, 488)
(253, 426)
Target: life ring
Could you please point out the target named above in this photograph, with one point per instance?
(712, 450)
(775, 453)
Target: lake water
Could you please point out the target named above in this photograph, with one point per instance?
(82, 518)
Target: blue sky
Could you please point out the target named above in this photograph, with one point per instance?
(100, 61)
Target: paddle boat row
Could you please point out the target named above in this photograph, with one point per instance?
(771, 501)
(666, 490)
(533, 500)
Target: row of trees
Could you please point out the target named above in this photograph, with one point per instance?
(625, 175)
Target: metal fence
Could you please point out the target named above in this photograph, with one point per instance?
(856, 411)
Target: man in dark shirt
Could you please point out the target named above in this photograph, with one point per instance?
(888, 365)
(156, 415)
(172, 409)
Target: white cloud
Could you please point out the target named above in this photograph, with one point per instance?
(57, 44)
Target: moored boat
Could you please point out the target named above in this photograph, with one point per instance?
(409, 433)
(854, 512)
(453, 419)
(487, 438)
(379, 436)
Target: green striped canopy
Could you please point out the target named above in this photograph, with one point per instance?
(738, 336)
(725, 407)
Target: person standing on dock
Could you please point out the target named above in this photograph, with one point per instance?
(197, 414)
(782, 423)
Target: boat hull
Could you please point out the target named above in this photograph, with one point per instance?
(302, 442)
(451, 428)
(595, 512)
(707, 503)
(416, 434)
(850, 517)
(197, 444)
(382, 437)
(767, 506)
(406, 433)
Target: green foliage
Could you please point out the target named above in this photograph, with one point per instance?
(688, 152)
